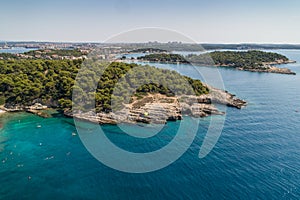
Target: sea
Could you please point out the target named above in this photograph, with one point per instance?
(257, 155)
(15, 50)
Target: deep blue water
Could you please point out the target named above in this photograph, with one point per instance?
(256, 157)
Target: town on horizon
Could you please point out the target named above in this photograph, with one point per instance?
(155, 44)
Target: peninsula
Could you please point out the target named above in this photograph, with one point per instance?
(253, 61)
(36, 84)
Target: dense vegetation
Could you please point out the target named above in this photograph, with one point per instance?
(244, 59)
(6, 56)
(23, 81)
(58, 52)
(48, 54)
(164, 57)
(119, 81)
(51, 82)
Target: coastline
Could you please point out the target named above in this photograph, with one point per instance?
(159, 109)
(266, 68)
(2, 110)
(270, 67)
(29, 109)
(152, 108)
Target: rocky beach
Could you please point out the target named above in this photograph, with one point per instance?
(158, 108)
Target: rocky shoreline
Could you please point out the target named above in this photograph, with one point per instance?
(270, 67)
(36, 109)
(2, 111)
(153, 108)
(158, 109)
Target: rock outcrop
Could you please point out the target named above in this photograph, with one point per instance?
(36, 109)
(270, 69)
(158, 109)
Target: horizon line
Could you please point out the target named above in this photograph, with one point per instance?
(97, 42)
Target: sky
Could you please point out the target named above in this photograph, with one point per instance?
(209, 21)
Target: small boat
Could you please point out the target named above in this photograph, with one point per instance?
(39, 126)
(74, 134)
(49, 158)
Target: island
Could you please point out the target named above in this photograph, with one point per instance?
(253, 61)
(33, 85)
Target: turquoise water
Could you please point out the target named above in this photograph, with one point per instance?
(256, 157)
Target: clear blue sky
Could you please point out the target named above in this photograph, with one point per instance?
(210, 21)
